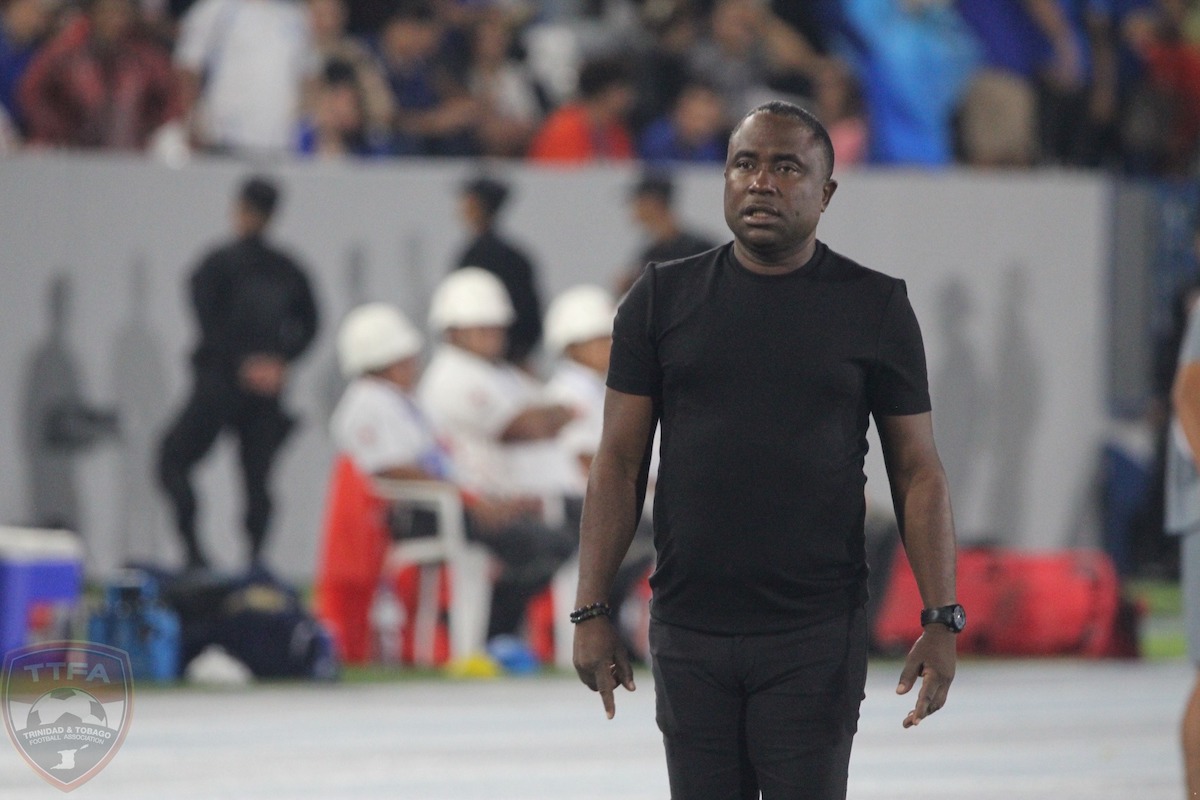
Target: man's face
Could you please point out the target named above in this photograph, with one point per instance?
(472, 212)
(646, 210)
(487, 342)
(404, 373)
(616, 101)
(775, 186)
(247, 220)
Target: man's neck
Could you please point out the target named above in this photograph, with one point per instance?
(770, 263)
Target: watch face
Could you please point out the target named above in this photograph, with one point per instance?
(959, 617)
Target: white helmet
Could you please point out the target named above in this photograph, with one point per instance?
(579, 315)
(470, 297)
(374, 336)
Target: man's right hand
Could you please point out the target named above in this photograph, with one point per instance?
(601, 660)
(263, 374)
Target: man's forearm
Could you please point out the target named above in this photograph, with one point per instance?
(610, 514)
(928, 531)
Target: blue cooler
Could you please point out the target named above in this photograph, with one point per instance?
(37, 567)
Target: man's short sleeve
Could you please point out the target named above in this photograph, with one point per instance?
(634, 367)
(899, 382)
(376, 430)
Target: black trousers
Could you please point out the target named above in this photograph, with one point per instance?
(217, 404)
(531, 553)
(771, 714)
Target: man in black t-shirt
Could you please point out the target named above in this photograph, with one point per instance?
(481, 202)
(653, 209)
(256, 314)
(763, 361)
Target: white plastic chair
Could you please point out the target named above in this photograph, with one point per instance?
(471, 590)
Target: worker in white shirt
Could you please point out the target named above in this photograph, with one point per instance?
(378, 431)
(578, 333)
(501, 435)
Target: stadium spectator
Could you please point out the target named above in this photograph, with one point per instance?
(256, 315)
(914, 61)
(501, 434)
(336, 126)
(480, 204)
(653, 210)
(1172, 84)
(838, 102)
(661, 67)
(22, 26)
(751, 55)
(1140, 126)
(435, 116)
(509, 99)
(332, 43)
(1026, 45)
(1077, 119)
(101, 83)
(594, 126)
(695, 130)
(245, 66)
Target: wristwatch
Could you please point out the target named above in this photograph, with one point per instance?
(953, 617)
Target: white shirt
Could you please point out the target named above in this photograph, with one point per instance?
(255, 56)
(380, 427)
(471, 401)
(581, 388)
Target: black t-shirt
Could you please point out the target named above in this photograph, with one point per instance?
(681, 246)
(764, 386)
(250, 297)
(516, 272)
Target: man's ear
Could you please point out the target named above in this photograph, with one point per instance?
(827, 193)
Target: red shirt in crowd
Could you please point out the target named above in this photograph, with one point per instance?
(568, 136)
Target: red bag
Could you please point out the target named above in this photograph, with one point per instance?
(1018, 603)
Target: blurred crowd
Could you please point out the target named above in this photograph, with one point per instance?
(1087, 83)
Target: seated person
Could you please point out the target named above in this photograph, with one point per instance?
(500, 432)
(380, 431)
(578, 332)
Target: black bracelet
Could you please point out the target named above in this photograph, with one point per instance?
(600, 609)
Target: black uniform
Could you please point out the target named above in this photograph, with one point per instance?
(765, 386)
(249, 298)
(681, 246)
(516, 272)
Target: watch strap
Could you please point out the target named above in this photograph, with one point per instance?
(952, 616)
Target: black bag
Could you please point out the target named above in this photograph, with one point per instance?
(264, 625)
(257, 619)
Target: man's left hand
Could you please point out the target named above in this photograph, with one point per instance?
(932, 658)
